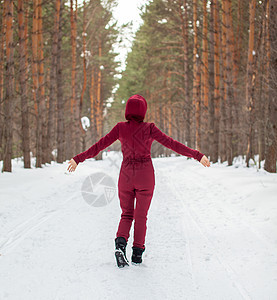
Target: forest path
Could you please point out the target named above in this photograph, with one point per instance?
(211, 235)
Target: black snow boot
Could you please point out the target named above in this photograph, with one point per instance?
(120, 252)
(137, 255)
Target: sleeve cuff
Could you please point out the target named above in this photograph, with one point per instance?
(76, 159)
(199, 156)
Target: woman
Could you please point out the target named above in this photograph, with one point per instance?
(137, 175)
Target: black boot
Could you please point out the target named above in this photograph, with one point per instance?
(137, 255)
(120, 252)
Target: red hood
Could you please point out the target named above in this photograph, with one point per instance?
(136, 108)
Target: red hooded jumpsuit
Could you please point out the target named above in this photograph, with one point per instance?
(137, 175)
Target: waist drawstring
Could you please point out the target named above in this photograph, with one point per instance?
(133, 161)
(137, 159)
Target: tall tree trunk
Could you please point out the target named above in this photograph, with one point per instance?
(235, 121)
(211, 80)
(262, 74)
(2, 50)
(271, 142)
(223, 148)
(52, 87)
(9, 83)
(249, 81)
(92, 107)
(240, 97)
(99, 94)
(74, 107)
(216, 93)
(36, 93)
(60, 97)
(34, 56)
(196, 78)
(23, 85)
(84, 34)
(188, 106)
(169, 109)
(99, 103)
(230, 82)
(204, 83)
(42, 99)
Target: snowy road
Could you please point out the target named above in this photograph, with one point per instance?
(212, 234)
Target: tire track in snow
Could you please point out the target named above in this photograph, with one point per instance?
(186, 230)
(204, 233)
(21, 231)
(230, 212)
(229, 270)
(188, 251)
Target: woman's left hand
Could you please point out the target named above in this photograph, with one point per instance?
(72, 165)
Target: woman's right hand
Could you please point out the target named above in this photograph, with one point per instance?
(72, 165)
(205, 162)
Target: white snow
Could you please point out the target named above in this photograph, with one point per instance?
(211, 234)
(85, 123)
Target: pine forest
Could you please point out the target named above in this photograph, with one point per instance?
(208, 70)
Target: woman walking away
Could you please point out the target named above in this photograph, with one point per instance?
(137, 176)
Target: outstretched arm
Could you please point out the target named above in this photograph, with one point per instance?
(103, 143)
(176, 146)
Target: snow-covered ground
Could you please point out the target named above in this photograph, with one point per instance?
(212, 234)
